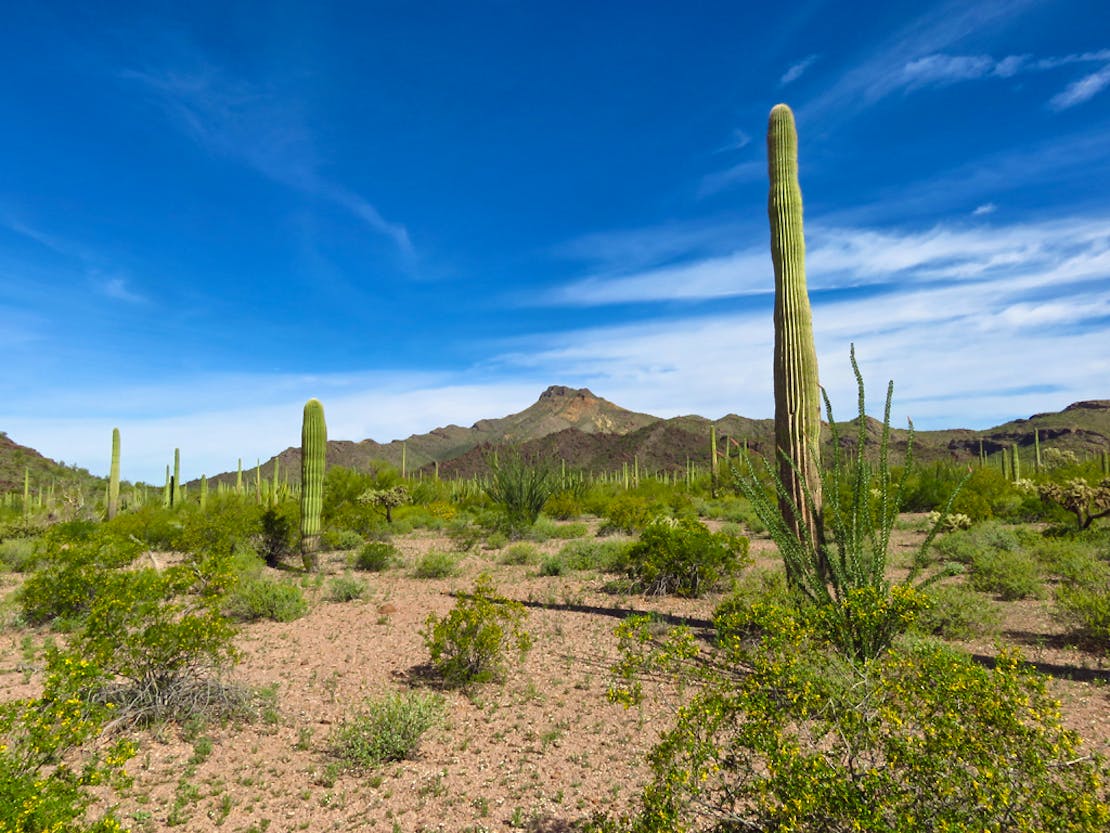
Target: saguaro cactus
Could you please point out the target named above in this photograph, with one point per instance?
(113, 477)
(314, 442)
(797, 392)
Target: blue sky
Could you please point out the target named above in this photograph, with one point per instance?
(424, 213)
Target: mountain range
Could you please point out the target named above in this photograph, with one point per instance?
(593, 434)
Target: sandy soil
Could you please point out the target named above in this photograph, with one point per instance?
(540, 753)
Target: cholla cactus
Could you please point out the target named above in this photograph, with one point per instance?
(1086, 502)
(387, 499)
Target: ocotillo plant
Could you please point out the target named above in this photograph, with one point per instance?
(797, 391)
(314, 443)
(113, 477)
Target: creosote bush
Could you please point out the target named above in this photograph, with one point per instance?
(474, 642)
(387, 729)
(48, 761)
(682, 557)
(376, 556)
(261, 597)
(780, 730)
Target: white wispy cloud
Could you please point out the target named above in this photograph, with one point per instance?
(118, 289)
(260, 127)
(750, 171)
(1082, 90)
(984, 209)
(843, 257)
(797, 70)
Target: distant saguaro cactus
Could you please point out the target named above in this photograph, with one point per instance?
(113, 477)
(797, 391)
(314, 442)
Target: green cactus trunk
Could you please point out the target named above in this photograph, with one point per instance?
(113, 477)
(203, 491)
(314, 444)
(797, 391)
(1036, 451)
(1015, 463)
(175, 494)
(239, 478)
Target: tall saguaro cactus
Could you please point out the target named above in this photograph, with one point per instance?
(797, 392)
(113, 477)
(314, 442)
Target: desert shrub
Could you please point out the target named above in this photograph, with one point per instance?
(495, 541)
(606, 556)
(1087, 502)
(1086, 609)
(520, 486)
(779, 730)
(18, 554)
(553, 566)
(1012, 574)
(630, 513)
(261, 597)
(564, 506)
(376, 556)
(436, 564)
(464, 534)
(278, 535)
(520, 554)
(74, 560)
(387, 729)
(473, 643)
(683, 558)
(229, 523)
(156, 526)
(345, 589)
(47, 759)
(542, 530)
(565, 532)
(957, 612)
(341, 539)
(964, 546)
(161, 641)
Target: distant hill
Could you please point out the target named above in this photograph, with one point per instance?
(593, 434)
(15, 459)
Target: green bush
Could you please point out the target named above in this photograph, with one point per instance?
(957, 612)
(376, 556)
(341, 539)
(1086, 609)
(74, 559)
(388, 729)
(161, 642)
(630, 513)
(606, 556)
(683, 558)
(520, 554)
(345, 589)
(780, 731)
(48, 760)
(473, 642)
(563, 506)
(255, 598)
(228, 524)
(436, 564)
(565, 532)
(18, 554)
(280, 529)
(1012, 574)
(553, 566)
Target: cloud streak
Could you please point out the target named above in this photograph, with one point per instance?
(260, 128)
(841, 258)
(797, 70)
